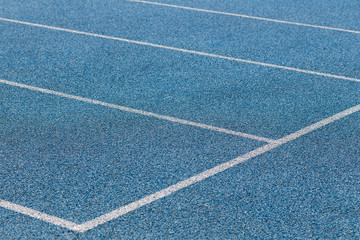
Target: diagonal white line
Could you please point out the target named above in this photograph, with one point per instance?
(176, 187)
(38, 215)
(183, 184)
(208, 173)
(137, 111)
(184, 50)
(248, 16)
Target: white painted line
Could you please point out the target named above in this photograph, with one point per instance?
(137, 111)
(248, 16)
(38, 215)
(184, 50)
(208, 173)
(176, 187)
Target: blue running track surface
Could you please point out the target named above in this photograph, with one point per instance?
(104, 103)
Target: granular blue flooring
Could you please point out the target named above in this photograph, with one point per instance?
(77, 161)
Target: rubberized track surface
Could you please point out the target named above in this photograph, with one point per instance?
(179, 119)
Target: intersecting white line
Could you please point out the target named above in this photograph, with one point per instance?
(183, 184)
(176, 187)
(210, 172)
(248, 16)
(182, 50)
(137, 111)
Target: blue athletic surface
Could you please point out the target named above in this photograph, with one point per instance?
(77, 160)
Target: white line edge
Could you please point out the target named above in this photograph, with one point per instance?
(38, 215)
(184, 50)
(183, 184)
(178, 186)
(210, 172)
(137, 111)
(248, 16)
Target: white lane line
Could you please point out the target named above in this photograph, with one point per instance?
(176, 187)
(38, 215)
(184, 50)
(210, 172)
(137, 111)
(248, 16)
